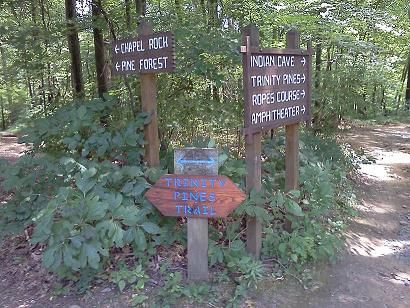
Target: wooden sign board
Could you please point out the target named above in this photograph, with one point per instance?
(153, 53)
(277, 85)
(195, 196)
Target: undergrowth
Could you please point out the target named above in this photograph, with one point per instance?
(81, 187)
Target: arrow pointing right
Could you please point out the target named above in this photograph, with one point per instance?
(303, 61)
(303, 108)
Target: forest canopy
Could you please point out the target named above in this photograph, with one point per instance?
(53, 52)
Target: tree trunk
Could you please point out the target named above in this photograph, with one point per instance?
(318, 67)
(384, 102)
(141, 7)
(74, 49)
(99, 49)
(128, 14)
(213, 12)
(3, 120)
(6, 84)
(407, 105)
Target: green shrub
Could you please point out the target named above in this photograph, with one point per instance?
(82, 187)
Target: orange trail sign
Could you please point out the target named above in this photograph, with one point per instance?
(195, 196)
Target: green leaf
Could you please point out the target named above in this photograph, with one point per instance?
(84, 184)
(93, 257)
(96, 209)
(121, 285)
(90, 172)
(118, 236)
(140, 240)
(293, 208)
(294, 193)
(68, 252)
(81, 112)
(48, 257)
(151, 228)
(282, 248)
(138, 299)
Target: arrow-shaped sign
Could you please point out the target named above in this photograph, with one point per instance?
(303, 93)
(117, 66)
(303, 108)
(116, 48)
(183, 161)
(303, 61)
(303, 78)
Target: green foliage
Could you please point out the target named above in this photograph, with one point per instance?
(172, 289)
(124, 276)
(317, 212)
(86, 196)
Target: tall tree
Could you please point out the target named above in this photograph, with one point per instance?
(74, 48)
(100, 61)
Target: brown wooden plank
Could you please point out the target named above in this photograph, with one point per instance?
(149, 105)
(292, 138)
(197, 227)
(197, 249)
(250, 37)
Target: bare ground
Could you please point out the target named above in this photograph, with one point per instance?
(374, 270)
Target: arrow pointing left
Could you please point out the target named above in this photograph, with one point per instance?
(116, 48)
(117, 66)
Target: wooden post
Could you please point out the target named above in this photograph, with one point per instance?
(292, 137)
(197, 227)
(250, 38)
(149, 105)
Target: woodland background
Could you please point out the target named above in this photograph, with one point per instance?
(77, 194)
(52, 52)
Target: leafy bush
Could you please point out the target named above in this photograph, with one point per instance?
(82, 185)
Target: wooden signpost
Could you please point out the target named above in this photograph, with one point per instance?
(148, 54)
(277, 92)
(198, 193)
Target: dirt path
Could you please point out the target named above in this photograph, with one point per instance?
(376, 271)
(375, 268)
